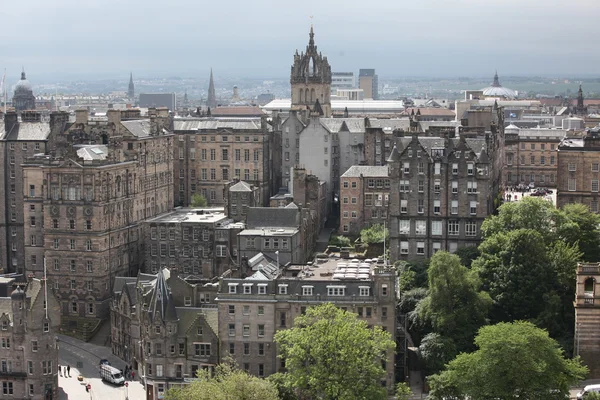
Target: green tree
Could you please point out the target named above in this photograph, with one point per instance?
(331, 354)
(513, 267)
(228, 383)
(198, 201)
(374, 234)
(403, 391)
(339, 241)
(436, 351)
(467, 255)
(587, 233)
(454, 305)
(513, 360)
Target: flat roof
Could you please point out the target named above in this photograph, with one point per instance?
(268, 232)
(333, 269)
(207, 215)
(340, 105)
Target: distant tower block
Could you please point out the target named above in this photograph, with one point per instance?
(212, 96)
(311, 79)
(236, 95)
(587, 317)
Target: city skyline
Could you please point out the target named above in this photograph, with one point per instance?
(397, 39)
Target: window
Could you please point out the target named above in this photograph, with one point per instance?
(221, 250)
(246, 310)
(232, 348)
(261, 330)
(436, 206)
(453, 228)
(72, 244)
(262, 288)
(88, 225)
(283, 289)
(421, 248)
(404, 227)
(187, 301)
(473, 207)
(7, 387)
(572, 185)
(406, 168)
(572, 167)
(552, 160)
(354, 200)
(594, 185)
(469, 169)
(246, 330)
(336, 290)
(454, 207)
(594, 206)
(404, 206)
(436, 228)
(364, 290)
(224, 155)
(437, 168)
(88, 245)
(420, 227)
(436, 186)
(261, 370)
(405, 186)
(282, 319)
(34, 345)
(471, 187)
(471, 228)
(421, 186)
(421, 168)
(261, 349)
(532, 160)
(307, 290)
(532, 146)
(30, 367)
(403, 247)
(595, 167)
(90, 286)
(454, 187)
(72, 265)
(202, 349)
(32, 221)
(261, 310)
(233, 288)
(231, 309)
(455, 169)
(542, 160)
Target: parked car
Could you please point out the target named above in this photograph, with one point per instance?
(104, 361)
(111, 374)
(588, 389)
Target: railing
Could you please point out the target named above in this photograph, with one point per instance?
(589, 268)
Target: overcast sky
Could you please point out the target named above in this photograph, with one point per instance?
(257, 38)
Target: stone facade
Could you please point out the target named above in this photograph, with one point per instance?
(192, 243)
(311, 79)
(364, 198)
(29, 347)
(441, 191)
(578, 170)
(251, 311)
(210, 152)
(19, 140)
(532, 155)
(587, 317)
(100, 180)
(241, 197)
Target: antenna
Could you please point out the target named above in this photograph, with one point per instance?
(45, 289)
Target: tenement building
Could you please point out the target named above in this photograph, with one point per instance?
(210, 152)
(532, 155)
(29, 353)
(587, 316)
(364, 197)
(578, 170)
(19, 140)
(252, 310)
(441, 191)
(194, 243)
(101, 178)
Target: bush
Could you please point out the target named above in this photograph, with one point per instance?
(339, 241)
(374, 234)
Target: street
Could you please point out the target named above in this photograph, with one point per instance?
(83, 358)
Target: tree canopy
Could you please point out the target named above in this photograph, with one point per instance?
(374, 234)
(228, 383)
(198, 201)
(331, 354)
(513, 360)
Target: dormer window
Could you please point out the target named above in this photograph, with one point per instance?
(283, 288)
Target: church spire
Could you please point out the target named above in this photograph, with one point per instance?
(496, 82)
(212, 97)
(311, 42)
(131, 89)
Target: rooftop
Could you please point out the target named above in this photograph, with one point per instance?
(367, 171)
(214, 123)
(205, 215)
(333, 270)
(354, 106)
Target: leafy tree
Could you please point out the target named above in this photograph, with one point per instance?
(454, 304)
(467, 255)
(419, 266)
(227, 383)
(514, 360)
(331, 354)
(198, 201)
(285, 390)
(514, 269)
(436, 351)
(374, 234)
(587, 234)
(403, 391)
(339, 241)
(592, 396)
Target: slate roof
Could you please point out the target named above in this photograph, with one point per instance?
(195, 124)
(430, 112)
(121, 281)
(355, 125)
(92, 152)
(6, 307)
(33, 290)
(138, 127)
(272, 217)
(241, 186)
(367, 171)
(390, 124)
(478, 146)
(161, 302)
(25, 131)
(246, 111)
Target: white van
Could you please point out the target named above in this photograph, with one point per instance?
(111, 374)
(588, 389)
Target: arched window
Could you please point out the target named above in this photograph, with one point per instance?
(312, 96)
(589, 285)
(300, 100)
(311, 67)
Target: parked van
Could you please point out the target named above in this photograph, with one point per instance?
(111, 374)
(588, 389)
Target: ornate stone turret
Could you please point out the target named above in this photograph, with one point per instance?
(311, 79)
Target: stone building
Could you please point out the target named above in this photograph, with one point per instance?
(101, 178)
(441, 191)
(210, 152)
(288, 234)
(29, 350)
(252, 310)
(578, 170)
(196, 243)
(128, 300)
(531, 155)
(19, 140)
(587, 317)
(364, 197)
(176, 340)
(311, 79)
(241, 197)
(23, 98)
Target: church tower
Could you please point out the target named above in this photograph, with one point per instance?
(311, 79)
(131, 90)
(581, 109)
(212, 97)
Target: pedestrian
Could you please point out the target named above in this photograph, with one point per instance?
(59, 370)
(69, 370)
(516, 198)
(65, 369)
(132, 375)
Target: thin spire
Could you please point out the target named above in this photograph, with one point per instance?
(496, 82)
(212, 97)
